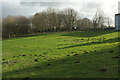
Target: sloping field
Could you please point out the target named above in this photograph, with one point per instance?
(84, 54)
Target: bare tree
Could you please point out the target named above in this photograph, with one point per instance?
(84, 24)
(22, 25)
(0, 28)
(51, 20)
(109, 22)
(70, 18)
(9, 24)
(99, 19)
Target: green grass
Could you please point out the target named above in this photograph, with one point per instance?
(84, 54)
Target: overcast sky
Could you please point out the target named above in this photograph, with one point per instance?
(85, 7)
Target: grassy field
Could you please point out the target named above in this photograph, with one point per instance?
(84, 54)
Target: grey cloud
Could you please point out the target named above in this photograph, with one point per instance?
(9, 8)
(42, 4)
(28, 8)
(0, 10)
(93, 5)
(90, 6)
(87, 7)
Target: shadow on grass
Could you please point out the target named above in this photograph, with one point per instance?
(33, 35)
(93, 43)
(29, 35)
(90, 33)
(86, 65)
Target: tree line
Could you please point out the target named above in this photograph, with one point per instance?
(52, 20)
